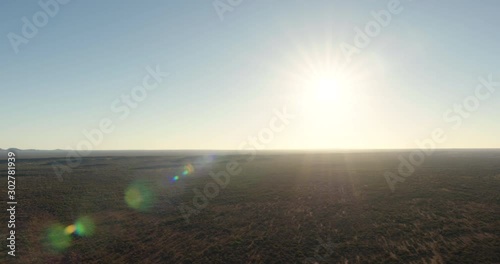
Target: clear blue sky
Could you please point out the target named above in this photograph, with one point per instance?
(227, 76)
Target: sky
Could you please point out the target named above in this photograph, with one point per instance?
(250, 74)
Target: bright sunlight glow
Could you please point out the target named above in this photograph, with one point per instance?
(326, 95)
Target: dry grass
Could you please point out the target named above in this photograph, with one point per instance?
(276, 211)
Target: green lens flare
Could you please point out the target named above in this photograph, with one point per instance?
(139, 196)
(57, 238)
(84, 226)
(188, 169)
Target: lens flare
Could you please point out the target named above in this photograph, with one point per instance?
(188, 169)
(57, 238)
(176, 178)
(69, 229)
(84, 226)
(138, 196)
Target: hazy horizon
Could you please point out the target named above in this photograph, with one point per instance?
(315, 149)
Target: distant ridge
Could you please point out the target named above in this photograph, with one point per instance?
(13, 149)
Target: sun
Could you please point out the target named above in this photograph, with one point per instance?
(332, 98)
(327, 95)
(325, 89)
(333, 104)
(332, 107)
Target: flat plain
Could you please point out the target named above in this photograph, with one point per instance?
(280, 207)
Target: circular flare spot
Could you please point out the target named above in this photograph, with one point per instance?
(84, 226)
(188, 169)
(57, 238)
(138, 196)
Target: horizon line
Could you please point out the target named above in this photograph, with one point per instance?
(255, 149)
